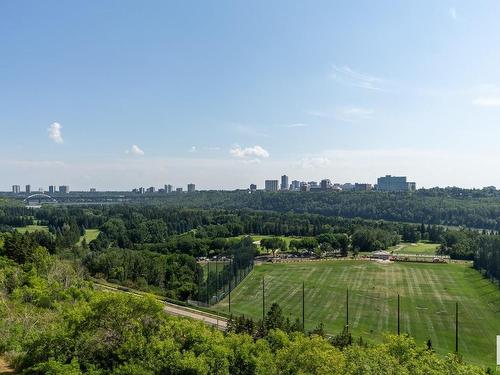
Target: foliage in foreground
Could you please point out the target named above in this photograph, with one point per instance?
(52, 323)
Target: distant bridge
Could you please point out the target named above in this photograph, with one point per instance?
(40, 197)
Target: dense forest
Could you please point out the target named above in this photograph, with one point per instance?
(450, 207)
(54, 322)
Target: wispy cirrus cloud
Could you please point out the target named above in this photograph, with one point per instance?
(353, 114)
(487, 101)
(295, 125)
(346, 114)
(347, 76)
(453, 13)
(55, 133)
(311, 162)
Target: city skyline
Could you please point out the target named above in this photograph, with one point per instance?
(235, 93)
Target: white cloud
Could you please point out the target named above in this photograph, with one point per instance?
(55, 132)
(314, 162)
(350, 77)
(192, 149)
(487, 101)
(352, 114)
(255, 152)
(212, 148)
(135, 150)
(453, 13)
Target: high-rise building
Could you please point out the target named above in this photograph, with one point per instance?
(64, 189)
(52, 189)
(93, 190)
(253, 187)
(28, 189)
(169, 188)
(16, 189)
(295, 185)
(178, 190)
(191, 188)
(284, 182)
(395, 183)
(271, 185)
(304, 186)
(325, 184)
(142, 190)
(150, 189)
(362, 187)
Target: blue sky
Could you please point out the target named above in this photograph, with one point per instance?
(119, 94)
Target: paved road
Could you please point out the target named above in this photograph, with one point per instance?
(181, 311)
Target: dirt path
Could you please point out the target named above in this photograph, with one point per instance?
(5, 368)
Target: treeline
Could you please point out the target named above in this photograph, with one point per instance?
(53, 322)
(450, 207)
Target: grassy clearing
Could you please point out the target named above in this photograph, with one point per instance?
(90, 235)
(32, 228)
(258, 238)
(428, 295)
(423, 248)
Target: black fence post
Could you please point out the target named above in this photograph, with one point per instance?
(263, 301)
(347, 310)
(303, 307)
(398, 317)
(456, 327)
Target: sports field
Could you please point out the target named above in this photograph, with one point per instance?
(421, 248)
(428, 295)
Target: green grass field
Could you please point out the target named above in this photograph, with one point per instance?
(423, 248)
(90, 234)
(428, 295)
(32, 228)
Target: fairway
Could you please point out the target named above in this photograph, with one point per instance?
(90, 235)
(428, 295)
(32, 228)
(421, 248)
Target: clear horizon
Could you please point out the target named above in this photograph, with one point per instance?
(119, 95)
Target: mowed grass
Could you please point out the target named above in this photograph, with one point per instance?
(32, 228)
(424, 248)
(428, 295)
(258, 238)
(90, 235)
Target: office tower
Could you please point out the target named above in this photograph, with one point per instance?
(395, 183)
(191, 188)
(150, 189)
(178, 190)
(295, 186)
(325, 184)
(271, 185)
(169, 188)
(16, 189)
(142, 190)
(362, 187)
(284, 182)
(28, 189)
(52, 189)
(64, 189)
